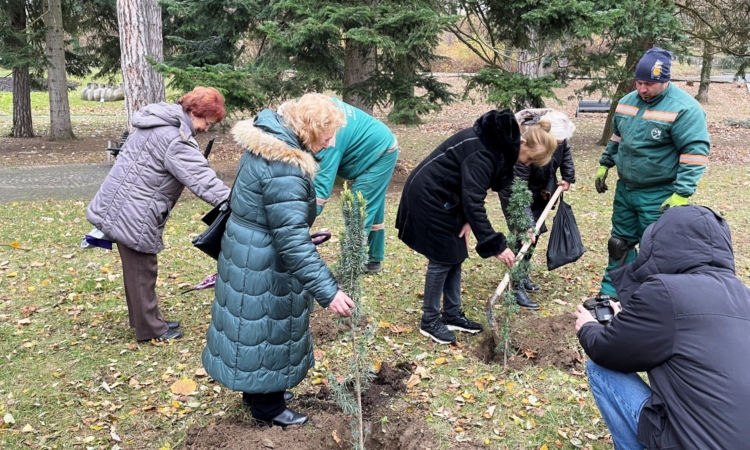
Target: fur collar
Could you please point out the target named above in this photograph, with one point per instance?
(254, 140)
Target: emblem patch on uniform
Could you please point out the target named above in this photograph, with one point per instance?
(656, 133)
(656, 70)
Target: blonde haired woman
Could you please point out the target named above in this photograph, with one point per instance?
(542, 180)
(259, 340)
(443, 201)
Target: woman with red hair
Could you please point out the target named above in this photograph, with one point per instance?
(160, 158)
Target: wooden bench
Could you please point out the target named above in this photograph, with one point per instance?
(594, 106)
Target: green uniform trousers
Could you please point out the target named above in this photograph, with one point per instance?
(632, 212)
(374, 184)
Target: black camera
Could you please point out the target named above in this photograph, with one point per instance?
(600, 308)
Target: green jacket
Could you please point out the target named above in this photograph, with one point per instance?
(269, 270)
(659, 142)
(358, 145)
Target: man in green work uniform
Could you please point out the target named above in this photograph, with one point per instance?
(660, 147)
(364, 151)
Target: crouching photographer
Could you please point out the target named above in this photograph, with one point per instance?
(685, 320)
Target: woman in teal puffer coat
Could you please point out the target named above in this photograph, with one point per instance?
(259, 340)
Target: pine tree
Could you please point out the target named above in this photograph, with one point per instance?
(518, 224)
(352, 260)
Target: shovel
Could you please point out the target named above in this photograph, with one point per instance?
(519, 257)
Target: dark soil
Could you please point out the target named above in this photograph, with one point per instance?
(538, 341)
(325, 325)
(388, 425)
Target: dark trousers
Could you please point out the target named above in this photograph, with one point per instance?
(441, 279)
(139, 272)
(265, 406)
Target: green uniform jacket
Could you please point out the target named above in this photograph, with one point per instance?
(659, 142)
(269, 270)
(358, 145)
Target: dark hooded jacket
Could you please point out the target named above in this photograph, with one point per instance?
(685, 321)
(449, 187)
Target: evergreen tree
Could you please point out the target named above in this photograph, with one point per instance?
(609, 45)
(373, 52)
(352, 260)
(518, 225)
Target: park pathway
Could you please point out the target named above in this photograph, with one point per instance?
(70, 182)
(65, 182)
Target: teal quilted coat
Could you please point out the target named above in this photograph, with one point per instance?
(269, 270)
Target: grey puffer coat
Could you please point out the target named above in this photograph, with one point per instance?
(269, 270)
(158, 160)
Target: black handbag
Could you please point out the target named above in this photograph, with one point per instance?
(565, 244)
(209, 242)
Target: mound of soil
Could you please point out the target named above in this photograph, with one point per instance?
(388, 425)
(325, 325)
(538, 341)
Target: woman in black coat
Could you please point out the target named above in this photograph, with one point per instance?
(443, 201)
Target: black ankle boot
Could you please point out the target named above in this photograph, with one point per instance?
(283, 420)
(529, 285)
(523, 300)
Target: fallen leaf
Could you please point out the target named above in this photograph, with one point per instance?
(114, 436)
(490, 412)
(201, 372)
(413, 380)
(25, 321)
(8, 418)
(319, 354)
(398, 329)
(27, 429)
(383, 324)
(440, 361)
(105, 270)
(529, 354)
(336, 437)
(183, 387)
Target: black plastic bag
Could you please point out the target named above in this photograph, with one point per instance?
(565, 244)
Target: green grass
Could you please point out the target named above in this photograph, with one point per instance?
(72, 373)
(64, 334)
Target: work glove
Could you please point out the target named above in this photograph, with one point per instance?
(674, 200)
(600, 180)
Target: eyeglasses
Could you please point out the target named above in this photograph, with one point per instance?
(208, 123)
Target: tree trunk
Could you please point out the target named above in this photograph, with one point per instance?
(57, 82)
(22, 124)
(140, 37)
(622, 89)
(708, 59)
(359, 66)
(403, 111)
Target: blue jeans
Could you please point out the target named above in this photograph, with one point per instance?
(620, 398)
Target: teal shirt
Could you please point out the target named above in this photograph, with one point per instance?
(358, 145)
(659, 142)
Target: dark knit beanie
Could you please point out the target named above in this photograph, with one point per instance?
(654, 66)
